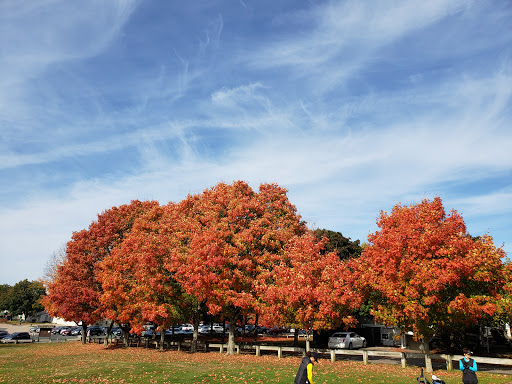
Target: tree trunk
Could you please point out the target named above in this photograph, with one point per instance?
(244, 322)
(84, 332)
(109, 330)
(426, 349)
(231, 336)
(162, 338)
(256, 328)
(235, 314)
(125, 330)
(197, 317)
(296, 337)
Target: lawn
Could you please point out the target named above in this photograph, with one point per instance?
(75, 363)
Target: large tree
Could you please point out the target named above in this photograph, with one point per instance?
(4, 294)
(137, 288)
(74, 291)
(230, 235)
(424, 272)
(23, 298)
(309, 289)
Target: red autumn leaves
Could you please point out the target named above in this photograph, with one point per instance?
(424, 272)
(238, 252)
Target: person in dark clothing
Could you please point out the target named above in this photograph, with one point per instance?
(468, 367)
(305, 372)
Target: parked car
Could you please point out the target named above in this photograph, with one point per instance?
(35, 329)
(116, 332)
(57, 330)
(76, 331)
(147, 333)
(67, 331)
(209, 329)
(16, 336)
(3, 334)
(187, 328)
(94, 330)
(346, 340)
(174, 330)
(204, 329)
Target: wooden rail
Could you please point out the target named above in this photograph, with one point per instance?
(483, 360)
(365, 354)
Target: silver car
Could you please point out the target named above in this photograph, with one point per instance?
(346, 340)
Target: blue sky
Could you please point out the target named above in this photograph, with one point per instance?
(352, 106)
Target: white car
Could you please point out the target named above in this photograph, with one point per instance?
(187, 327)
(207, 328)
(346, 340)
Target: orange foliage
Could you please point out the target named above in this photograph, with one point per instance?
(74, 293)
(423, 271)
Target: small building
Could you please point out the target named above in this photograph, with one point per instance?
(40, 317)
(45, 331)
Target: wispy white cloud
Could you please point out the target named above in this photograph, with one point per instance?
(352, 107)
(349, 32)
(241, 94)
(35, 35)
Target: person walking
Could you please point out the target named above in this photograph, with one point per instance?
(305, 372)
(468, 367)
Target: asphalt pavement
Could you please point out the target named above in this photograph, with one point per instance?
(25, 327)
(11, 328)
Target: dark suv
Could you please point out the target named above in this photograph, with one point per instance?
(94, 330)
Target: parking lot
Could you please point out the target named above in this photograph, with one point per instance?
(11, 328)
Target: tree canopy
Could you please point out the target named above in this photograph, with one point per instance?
(336, 242)
(23, 297)
(233, 235)
(74, 292)
(422, 270)
(237, 252)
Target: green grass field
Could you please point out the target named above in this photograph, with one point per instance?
(75, 363)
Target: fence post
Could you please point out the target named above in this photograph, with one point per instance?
(365, 357)
(403, 360)
(333, 356)
(258, 350)
(221, 348)
(449, 362)
(280, 352)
